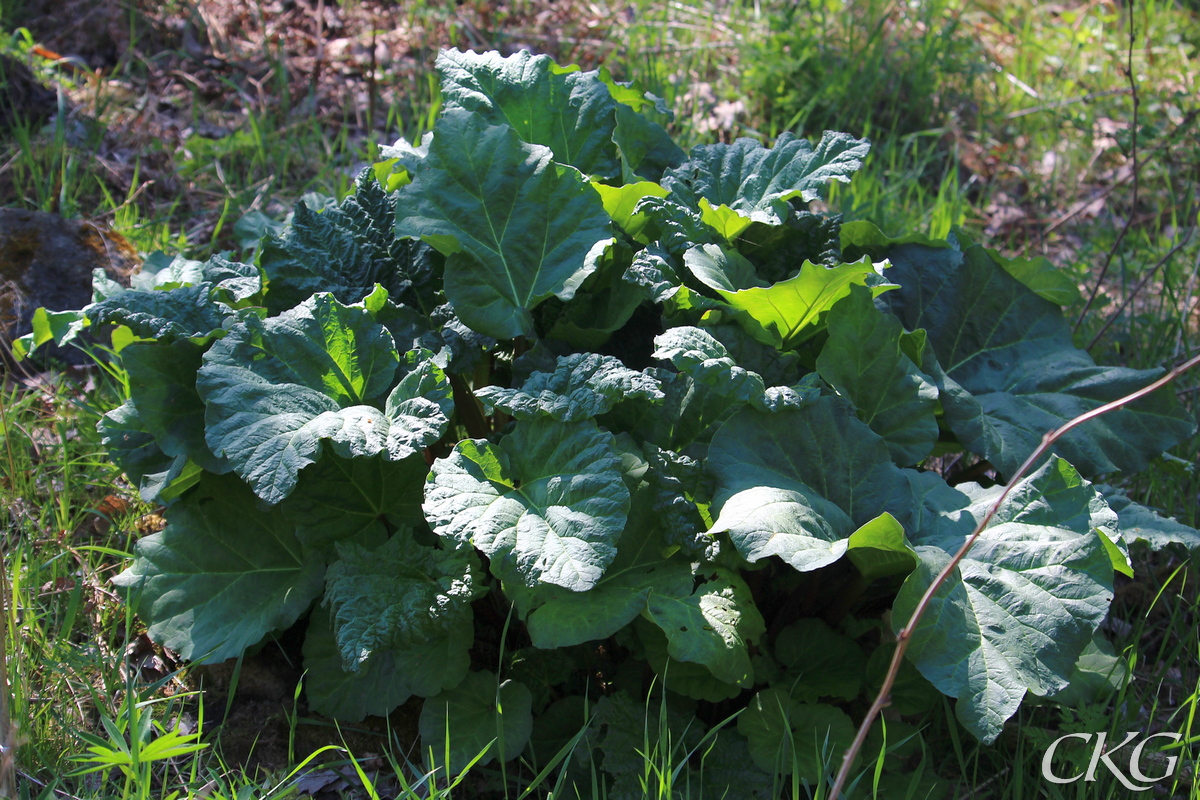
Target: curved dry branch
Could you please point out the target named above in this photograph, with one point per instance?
(905, 634)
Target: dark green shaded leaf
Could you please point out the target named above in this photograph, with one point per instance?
(819, 662)
(786, 736)
(1011, 372)
(221, 575)
(399, 595)
(712, 626)
(796, 483)
(347, 250)
(476, 716)
(162, 387)
(187, 312)
(339, 498)
(864, 360)
(385, 680)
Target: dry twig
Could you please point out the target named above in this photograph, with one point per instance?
(905, 634)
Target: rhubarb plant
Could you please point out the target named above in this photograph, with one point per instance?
(548, 406)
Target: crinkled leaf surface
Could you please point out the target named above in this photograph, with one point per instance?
(347, 250)
(712, 626)
(398, 595)
(1011, 370)
(1020, 608)
(386, 679)
(517, 227)
(864, 360)
(674, 226)
(275, 388)
(582, 385)
(221, 575)
(569, 111)
(546, 505)
(477, 715)
(697, 353)
(796, 483)
(791, 311)
(186, 312)
(756, 181)
(339, 498)
(643, 564)
(415, 416)
(1138, 523)
(162, 387)
(687, 417)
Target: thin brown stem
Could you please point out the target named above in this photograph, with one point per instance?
(1140, 285)
(905, 634)
(1133, 156)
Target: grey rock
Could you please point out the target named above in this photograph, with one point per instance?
(47, 261)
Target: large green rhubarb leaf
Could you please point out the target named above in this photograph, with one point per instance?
(1017, 612)
(1138, 523)
(480, 716)
(756, 181)
(347, 250)
(516, 227)
(399, 595)
(185, 312)
(791, 311)
(711, 626)
(546, 505)
(387, 678)
(275, 388)
(339, 498)
(571, 112)
(1011, 372)
(134, 449)
(865, 361)
(162, 387)
(797, 483)
(563, 618)
(221, 575)
(582, 385)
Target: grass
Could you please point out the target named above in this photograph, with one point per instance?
(1012, 120)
